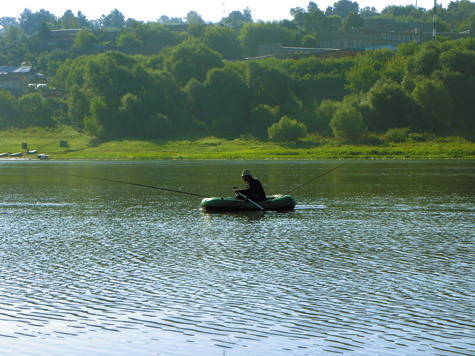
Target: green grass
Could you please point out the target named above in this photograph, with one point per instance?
(47, 141)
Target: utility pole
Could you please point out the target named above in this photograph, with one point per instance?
(434, 16)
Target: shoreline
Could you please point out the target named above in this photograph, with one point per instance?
(79, 147)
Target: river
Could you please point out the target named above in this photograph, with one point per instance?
(378, 258)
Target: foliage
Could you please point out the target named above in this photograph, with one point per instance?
(223, 40)
(353, 20)
(398, 135)
(344, 8)
(8, 107)
(436, 106)
(262, 117)
(84, 42)
(226, 103)
(391, 106)
(367, 70)
(34, 110)
(324, 115)
(191, 60)
(236, 19)
(182, 85)
(347, 125)
(287, 130)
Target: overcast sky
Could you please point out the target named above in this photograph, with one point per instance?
(210, 10)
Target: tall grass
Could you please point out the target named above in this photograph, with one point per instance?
(80, 147)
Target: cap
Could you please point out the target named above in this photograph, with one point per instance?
(246, 172)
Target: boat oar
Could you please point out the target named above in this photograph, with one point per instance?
(253, 202)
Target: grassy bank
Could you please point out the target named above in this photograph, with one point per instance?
(79, 147)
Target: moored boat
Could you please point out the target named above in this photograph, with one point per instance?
(42, 156)
(3, 154)
(17, 154)
(273, 202)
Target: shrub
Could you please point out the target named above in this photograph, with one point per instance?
(287, 130)
(347, 125)
(398, 135)
(418, 137)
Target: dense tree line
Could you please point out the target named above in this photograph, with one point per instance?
(188, 90)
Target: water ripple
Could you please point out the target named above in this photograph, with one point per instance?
(106, 271)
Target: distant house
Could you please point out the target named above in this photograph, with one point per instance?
(279, 51)
(17, 78)
(362, 38)
(376, 34)
(66, 34)
(383, 33)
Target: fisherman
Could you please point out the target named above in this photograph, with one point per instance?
(253, 191)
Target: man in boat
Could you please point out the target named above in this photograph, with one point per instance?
(254, 189)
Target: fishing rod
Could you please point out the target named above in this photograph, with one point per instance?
(311, 180)
(140, 185)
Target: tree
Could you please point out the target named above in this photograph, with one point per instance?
(436, 106)
(368, 12)
(392, 107)
(262, 117)
(8, 108)
(236, 19)
(347, 125)
(458, 60)
(223, 40)
(191, 60)
(34, 111)
(194, 18)
(287, 130)
(227, 102)
(352, 21)
(254, 34)
(343, 8)
(85, 42)
(424, 61)
(313, 20)
(44, 31)
(114, 20)
(128, 39)
(363, 75)
(156, 33)
(407, 13)
(167, 20)
(195, 96)
(8, 21)
(461, 89)
(271, 85)
(68, 20)
(133, 115)
(324, 114)
(78, 106)
(30, 22)
(159, 126)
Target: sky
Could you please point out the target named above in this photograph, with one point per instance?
(209, 10)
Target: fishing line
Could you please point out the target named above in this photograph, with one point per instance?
(311, 180)
(140, 185)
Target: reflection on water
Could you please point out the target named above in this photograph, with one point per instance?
(377, 258)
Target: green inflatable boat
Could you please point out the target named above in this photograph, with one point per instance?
(273, 202)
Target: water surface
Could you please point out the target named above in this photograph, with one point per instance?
(376, 259)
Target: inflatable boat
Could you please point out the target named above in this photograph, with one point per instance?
(274, 202)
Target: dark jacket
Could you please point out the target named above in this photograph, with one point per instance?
(254, 190)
